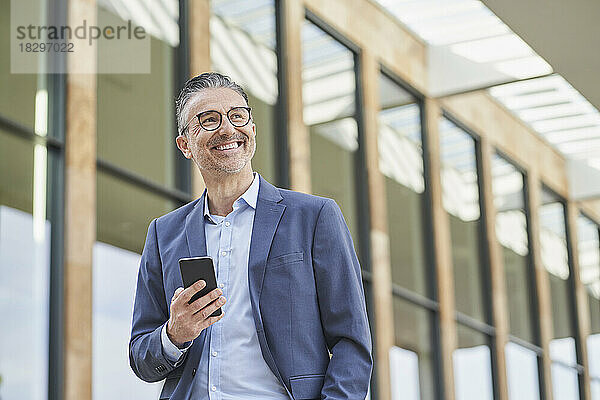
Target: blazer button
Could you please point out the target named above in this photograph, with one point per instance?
(194, 372)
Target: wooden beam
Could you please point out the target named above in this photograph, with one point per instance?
(298, 133)
(380, 241)
(80, 208)
(542, 281)
(581, 298)
(497, 276)
(443, 251)
(199, 37)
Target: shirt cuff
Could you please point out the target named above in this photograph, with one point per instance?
(172, 352)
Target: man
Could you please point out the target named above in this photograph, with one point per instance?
(294, 324)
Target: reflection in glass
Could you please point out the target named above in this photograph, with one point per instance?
(521, 372)
(19, 91)
(24, 269)
(404, 370)
(461, 201)
(242, 46)
(595, 389)
(589, 271)
(328, 92)
(411, 361)
(553, 242)
(593, 348)
(135, 112)
(555, 258)
(125, 211)
(511, 233)
(472, 365)
(564, 382)
(112, 309)
(401, 162)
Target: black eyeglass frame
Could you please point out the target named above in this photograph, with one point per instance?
(249, 109)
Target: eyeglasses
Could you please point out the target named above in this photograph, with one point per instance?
(211, 120)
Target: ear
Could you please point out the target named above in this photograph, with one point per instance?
(183, 145)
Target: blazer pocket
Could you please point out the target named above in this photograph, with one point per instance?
(285, 259)
(307, 386)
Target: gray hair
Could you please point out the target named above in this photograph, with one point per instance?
(203, 81)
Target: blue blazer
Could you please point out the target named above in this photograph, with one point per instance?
(305, 288)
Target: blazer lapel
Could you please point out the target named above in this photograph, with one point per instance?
(194, 229)
(266, 219)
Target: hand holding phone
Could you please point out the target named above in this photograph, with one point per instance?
(198, 306)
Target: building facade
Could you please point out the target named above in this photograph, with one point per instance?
(482, 274)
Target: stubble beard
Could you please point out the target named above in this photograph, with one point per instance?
(225, 168)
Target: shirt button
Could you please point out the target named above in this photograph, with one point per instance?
(214, 353)
(194, 372)
(227, 223)
(223, 253)
(214, 388)
(221, 285)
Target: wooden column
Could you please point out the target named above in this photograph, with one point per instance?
(380, 241)
(442, 244)
(298, 134)
(80, 208)
(542, 281)
(497, 277)
(581, 301)
(199, 36)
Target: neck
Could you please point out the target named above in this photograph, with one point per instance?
(224, 189)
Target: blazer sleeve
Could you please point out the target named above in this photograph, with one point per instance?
(342, 307)
(150, 313)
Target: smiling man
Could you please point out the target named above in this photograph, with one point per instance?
(294, 323)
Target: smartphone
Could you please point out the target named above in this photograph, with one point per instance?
(195, 268)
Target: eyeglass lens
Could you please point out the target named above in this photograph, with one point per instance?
(211, 120)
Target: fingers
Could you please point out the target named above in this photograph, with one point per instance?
(205, 323)
(205, 300)
(187, 294)
(176, 294)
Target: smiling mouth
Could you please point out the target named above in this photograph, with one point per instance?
(228, 146)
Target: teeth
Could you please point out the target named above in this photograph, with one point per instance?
(228, 146)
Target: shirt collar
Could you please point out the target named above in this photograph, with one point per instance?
(250, 196)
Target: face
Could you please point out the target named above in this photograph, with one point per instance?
(226, 150)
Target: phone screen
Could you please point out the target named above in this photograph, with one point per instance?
(195, 268)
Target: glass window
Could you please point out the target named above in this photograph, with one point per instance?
(411, 359)
(136, 112)
(461, 201)
(112, 310)
(401, 162)
(521, 372)
(245, 30)
(328, 91)
(589, 270)
(564, 382)
(472, 365)
(124, 212)
(19, 91)
(511, 233)
(24, 268)
(555, 258)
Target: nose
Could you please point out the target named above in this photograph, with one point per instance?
(226, 125)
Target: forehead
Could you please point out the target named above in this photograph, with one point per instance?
(219, 99)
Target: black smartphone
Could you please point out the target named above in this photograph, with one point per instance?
(195, 268)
